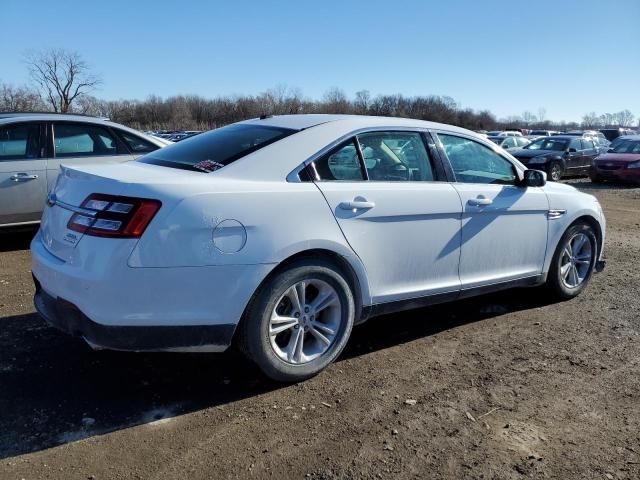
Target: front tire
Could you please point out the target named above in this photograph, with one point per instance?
(299, 321)
(573, 262)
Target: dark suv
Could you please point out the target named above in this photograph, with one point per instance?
(558, 155)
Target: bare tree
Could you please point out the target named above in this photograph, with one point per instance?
(19, 99)
(542, 114)
(62, 77)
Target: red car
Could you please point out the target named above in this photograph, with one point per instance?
(620, 164)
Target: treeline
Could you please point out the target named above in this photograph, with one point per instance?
(193, 112)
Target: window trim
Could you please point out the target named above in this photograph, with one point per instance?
(440, 170)
(121, 149)
(519, 169)
(40, 142)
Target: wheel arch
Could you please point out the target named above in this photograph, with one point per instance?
(350, 267)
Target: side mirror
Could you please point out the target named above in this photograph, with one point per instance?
(609, 150)
(572, 150)
(534, 178)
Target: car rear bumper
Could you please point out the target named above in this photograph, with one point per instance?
(623, 175)
(118, 307)
(66, 317)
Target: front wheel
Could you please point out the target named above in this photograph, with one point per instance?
(299, 321)
(573, 261)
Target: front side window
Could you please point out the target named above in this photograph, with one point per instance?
(342, 163)
(473, 162)
(75, 140)
(395, 156)
(19, 142)
(587, 144)
(212, 150)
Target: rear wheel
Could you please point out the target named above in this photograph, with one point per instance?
(554, 171)
(573, 261)
(299, 322)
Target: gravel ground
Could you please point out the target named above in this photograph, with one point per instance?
(502, 386)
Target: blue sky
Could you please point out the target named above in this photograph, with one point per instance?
(569, 56)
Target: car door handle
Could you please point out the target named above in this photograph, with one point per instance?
(22, 177)
(480, 201)
(356, 204)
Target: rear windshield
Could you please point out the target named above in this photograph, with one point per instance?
(212, 150)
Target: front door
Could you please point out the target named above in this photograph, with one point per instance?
(504, 225)
(23, 175)
(401, 221)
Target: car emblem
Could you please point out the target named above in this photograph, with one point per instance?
(51, 199)
(608, 164)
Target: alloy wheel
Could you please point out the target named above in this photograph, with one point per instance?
(576, 260)
(305, 321)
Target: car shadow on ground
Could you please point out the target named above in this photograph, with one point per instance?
(16, 239)
(56, 390)
(588, 185)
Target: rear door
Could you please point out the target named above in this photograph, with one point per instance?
(574, 158)
(589, 152)
(399, 216)
(23, 176)
(74, 143)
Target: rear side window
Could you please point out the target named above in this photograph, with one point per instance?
(77, 140)
(215, 149)
(473, 162)
(587, 144)
(342, 163)
(20, 142)
(137, 144)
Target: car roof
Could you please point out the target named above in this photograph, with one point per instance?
(8, 117)
(13, 117)
(350, 122)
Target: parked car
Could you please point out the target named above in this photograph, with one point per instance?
(541, 133)
(621, 164)
(510, 142)
(612, 133)
(504, 133)
(33, 146)
(559, 155)
(279, 234)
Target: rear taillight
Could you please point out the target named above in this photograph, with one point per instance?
(114, 216)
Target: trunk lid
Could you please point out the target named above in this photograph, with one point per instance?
(130, 179)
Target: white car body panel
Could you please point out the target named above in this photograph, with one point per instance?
(409, 241)
(505, 240)
(218, 235)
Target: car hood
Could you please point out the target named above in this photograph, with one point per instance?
(618, 157)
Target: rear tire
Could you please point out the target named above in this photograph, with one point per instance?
(555, 171)
(573, 262)
(299, 321)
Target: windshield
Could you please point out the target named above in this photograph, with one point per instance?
(549, 143)
(212, 150)
(627, 146)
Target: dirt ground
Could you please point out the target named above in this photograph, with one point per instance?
(505, 386)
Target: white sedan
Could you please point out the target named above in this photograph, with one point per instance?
(279, 234)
